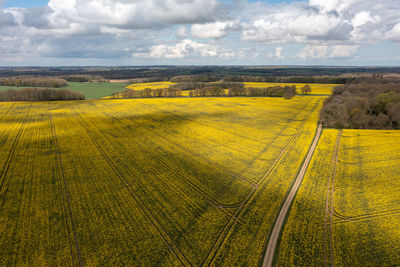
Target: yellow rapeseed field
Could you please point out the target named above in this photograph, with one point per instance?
(152, 182)
(155, 85)
(317, 89)
(347, 211)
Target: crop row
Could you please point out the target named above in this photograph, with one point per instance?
(144, 126)
(158, 181)
(246, 243)
(351, 195)
(231, 139)
(31, 218)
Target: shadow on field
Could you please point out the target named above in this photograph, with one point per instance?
(134, 136)
(162, 139)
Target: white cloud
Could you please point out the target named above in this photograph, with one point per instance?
(227, 54)
(362, 18)
(394, 33)
(296, 24)
(182, 49)
(182, 33)
(278, 52)
(106, 28)
(213, 30)
(97, 28)
(342, 51)
(340, 22)
(333, 5)
(6, 19)
(327, 51)
(134, 14)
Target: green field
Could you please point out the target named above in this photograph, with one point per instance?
(147, 182)
(347, 211)
(90, 90)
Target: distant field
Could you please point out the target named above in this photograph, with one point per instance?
(347, 211)
(104, 90)
(317, 89)
(96, 90)
(90, 90)
(156, 85)
(147, 181)
(5, 88)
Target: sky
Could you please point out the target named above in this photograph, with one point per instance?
(199, 32)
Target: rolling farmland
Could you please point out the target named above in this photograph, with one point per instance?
(91, 90)
(347, 211)
(317, 89)
(150, 181)
(200, 133)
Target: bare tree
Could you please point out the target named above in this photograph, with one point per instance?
(34, 94)
(306, 89)
(363, 106)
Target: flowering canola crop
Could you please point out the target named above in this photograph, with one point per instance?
(347, 211)
(147, 181)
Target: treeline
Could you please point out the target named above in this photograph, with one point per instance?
(146, 80)
(274, 91)
(363, 106)
(192, 85)
(84, 78)
(148, 93)
(168, 72)
(94, 78)
(234, 89)
(290, 79)
(33, 82)
(373, 79)
(78, 78)
(34, 94)
(264, 79)
(195, 78)
(211, 90)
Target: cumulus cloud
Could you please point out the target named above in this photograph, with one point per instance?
(185, 49)
(333, 5)
(6, 19)
(214, 29)
(182, 33)
(362, 18)
(326, 21)
(37, 17)
(394, 33)
(278, 52)
(155, 29)
(91, 28)
(135, 14)
(296, 25)
(182, 49)
(327, 51)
